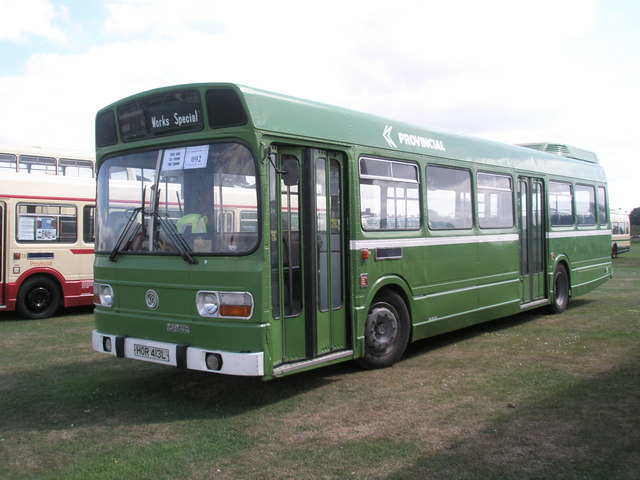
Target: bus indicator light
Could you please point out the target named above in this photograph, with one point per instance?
(102, 295)
(243, 311)
(16, 255)
(364, 254)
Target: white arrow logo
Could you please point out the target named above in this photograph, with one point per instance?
(387, 136)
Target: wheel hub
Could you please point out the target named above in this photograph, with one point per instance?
(382, 325)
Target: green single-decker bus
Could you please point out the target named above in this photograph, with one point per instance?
(244, 232)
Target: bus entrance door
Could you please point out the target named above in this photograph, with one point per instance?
(307, 255)
(2, 254)
(532, 240)
(326, 255)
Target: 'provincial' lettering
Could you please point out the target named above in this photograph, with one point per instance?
(413, 140)
(424, 142)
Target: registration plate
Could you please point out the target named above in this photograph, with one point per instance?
(153, 353)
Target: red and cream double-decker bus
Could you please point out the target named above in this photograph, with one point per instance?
(46, 234)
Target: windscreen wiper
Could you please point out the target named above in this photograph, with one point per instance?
(176, 240)
(125, 233)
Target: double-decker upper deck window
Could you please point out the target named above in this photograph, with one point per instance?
(46, 223)
(75, 168)
(560, 204)
(585, 205)
(8, 161)
(389, 195)
(495, 201)
(38, 165)
(449, 198)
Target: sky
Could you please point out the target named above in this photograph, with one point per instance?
(514, 71)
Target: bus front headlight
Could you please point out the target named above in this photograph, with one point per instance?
(102, 295)
(224, 304)
(208, 304)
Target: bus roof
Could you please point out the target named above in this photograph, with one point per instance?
(280, 115)
(54, 187)
(55, 152)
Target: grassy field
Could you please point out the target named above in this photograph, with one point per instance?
(533, 396)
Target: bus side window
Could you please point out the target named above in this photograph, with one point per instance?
(449, 198)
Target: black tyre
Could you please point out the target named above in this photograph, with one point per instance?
(560, 289)
(38, 297)
(386, 331)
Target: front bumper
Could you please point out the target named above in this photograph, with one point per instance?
(185, 356)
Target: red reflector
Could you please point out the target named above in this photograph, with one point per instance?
(235, 310)
(364, 280)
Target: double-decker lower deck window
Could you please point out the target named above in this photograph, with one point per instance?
(88, 223)
(389, 195)
(46, 223)
(449, 198)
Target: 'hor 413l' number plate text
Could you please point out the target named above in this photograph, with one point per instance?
(154, 353)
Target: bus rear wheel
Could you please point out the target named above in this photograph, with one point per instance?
(560, 289)
(386, 331)
(38, 297)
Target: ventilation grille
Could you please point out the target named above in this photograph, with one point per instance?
(564, 150)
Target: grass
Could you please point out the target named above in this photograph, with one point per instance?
(532, 396)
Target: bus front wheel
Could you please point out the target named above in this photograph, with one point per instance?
(386, 331)
(560, 289)
(38, 297)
